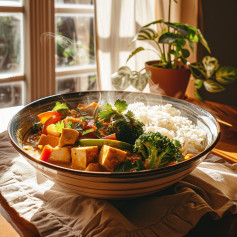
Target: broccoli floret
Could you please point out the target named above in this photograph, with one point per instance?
(124, 125)
(157, 150)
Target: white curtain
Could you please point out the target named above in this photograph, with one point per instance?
(118, 21)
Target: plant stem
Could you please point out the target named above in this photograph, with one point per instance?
(169, 13)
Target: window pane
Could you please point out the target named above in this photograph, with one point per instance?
(74, 2)
(11, 58)
(11, 94)
(10, 2)
(72, 84)
(74, 40)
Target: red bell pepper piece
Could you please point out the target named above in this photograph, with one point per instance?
(43, 117)
(53, 119)
(46, 153)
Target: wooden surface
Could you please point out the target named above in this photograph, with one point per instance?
(227, 118)
(226, 148)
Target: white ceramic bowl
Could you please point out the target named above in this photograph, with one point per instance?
(111, 185)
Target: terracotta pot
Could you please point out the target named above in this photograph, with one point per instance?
(170, 82)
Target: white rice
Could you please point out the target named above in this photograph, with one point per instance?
(168, 121)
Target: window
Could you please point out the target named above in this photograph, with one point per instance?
(46, 47)
(11, 53)
(75, 51)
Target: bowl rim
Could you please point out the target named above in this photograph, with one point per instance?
(112, 174)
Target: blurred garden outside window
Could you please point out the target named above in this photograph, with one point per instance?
(11, 53)
(30, 66)
(75, 51)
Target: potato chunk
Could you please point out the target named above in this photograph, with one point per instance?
(48, 140)
(61, 154)
(82, 156)
(68, 137)
(52, 130)
(110, 157)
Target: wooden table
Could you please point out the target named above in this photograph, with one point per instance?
(226, 148)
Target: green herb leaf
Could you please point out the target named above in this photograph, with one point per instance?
(121, 105)
(60, 126)
(69, 124)
(106, 114)
(88, 131)
(77, 126)
(99, 125)
(60, 106)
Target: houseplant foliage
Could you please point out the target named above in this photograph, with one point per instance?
(211, 76)
(173, 42)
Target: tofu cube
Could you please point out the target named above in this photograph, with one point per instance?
(48, 140)
(61, 154)
(94, 167)
(82, 156)
(68, 137)
(110, 157)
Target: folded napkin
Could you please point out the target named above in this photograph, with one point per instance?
(55, 211)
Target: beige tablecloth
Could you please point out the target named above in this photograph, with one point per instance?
(210, 188)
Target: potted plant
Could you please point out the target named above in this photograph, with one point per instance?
(173, 43)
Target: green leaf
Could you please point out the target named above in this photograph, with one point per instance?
(192, 36)
(146, 34)
(88, 131)
(121, 105)
(185, 53)
(198, 96)
(120, 82)
(124, 70)
(153, 23)
(226, 75)
(60, 126)
(134, 52)
(184, 61)
(203, 41)
(60, 106)
(210, 64)
(213, 86)
(140, 80)
(169, 38)
(197, 70)
(198, 83)
(181, 28)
